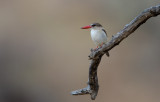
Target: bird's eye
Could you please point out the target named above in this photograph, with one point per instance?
(93, 25)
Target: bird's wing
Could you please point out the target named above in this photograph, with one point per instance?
(105, 31)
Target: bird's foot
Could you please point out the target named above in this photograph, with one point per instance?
(101, 45)
(96, 48)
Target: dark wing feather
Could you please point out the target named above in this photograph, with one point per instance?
(105, 31)
(107, 53)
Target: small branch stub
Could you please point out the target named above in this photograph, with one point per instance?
(96, 56)
(82, 91)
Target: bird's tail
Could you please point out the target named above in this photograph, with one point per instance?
(107, 53)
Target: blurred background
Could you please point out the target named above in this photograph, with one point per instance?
(44, 53)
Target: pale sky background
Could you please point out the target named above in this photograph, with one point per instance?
(44, 53)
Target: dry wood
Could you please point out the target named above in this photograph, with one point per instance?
(96, 56)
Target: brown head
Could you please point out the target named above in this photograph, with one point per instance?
(92, 26)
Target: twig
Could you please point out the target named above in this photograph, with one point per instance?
(96, 56)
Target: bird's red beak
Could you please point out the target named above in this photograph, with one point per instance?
(86, 27)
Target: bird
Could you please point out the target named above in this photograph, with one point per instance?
(98, 34)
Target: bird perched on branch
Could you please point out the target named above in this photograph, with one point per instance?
(98, 35)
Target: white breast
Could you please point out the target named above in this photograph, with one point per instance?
(98, 36)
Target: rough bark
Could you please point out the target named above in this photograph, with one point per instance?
(96, 56)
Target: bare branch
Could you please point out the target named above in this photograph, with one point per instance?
(96, 56)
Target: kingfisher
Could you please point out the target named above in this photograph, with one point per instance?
(98, 34)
